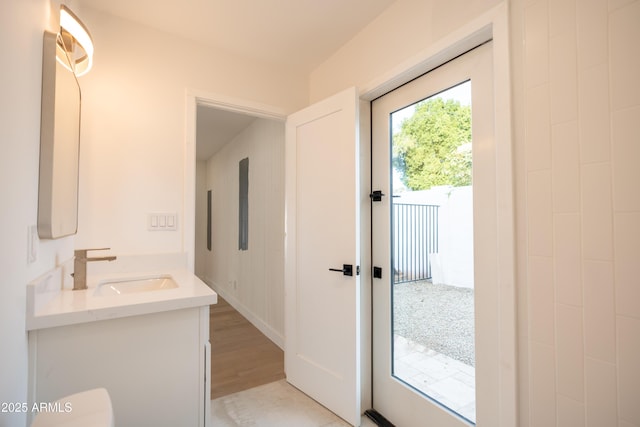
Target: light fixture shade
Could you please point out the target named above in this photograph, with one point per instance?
(75, 46)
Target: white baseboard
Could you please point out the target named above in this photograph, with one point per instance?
(267, 330)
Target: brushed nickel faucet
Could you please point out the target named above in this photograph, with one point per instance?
(80, 266)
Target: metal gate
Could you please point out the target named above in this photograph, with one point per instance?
(415, 237)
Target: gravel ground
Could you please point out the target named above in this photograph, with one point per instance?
(439, 317)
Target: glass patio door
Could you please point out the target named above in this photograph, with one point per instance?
(434, 304)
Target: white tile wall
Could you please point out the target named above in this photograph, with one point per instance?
(562, 17)
(565, 167)
(567, 259)
(570, 412)
(562, 77)
(536, 54)
(538, 128)
(601, 393)
(599, 311)
(628, 373)
(626, 154)
(624, 33)
(580, 88)
(597, 219)
(592, 23)
(540, 221)
(543, 381)
(593, 114)
(542, 297)
(627, 283)
(570, 352)
(616, 4)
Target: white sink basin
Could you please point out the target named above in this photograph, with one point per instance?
(135, 285)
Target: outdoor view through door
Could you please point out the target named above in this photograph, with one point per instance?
(436, 301)
(432, 249)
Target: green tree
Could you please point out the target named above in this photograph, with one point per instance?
(433, 146)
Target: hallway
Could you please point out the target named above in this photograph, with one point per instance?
(241, 356)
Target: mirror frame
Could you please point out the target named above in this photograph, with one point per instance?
(59, 147)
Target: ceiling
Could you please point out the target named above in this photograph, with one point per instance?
(215, 128)
(295, 33)
(298, 34)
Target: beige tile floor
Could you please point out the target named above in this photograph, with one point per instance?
(276, 404)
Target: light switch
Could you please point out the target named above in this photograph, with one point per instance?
(162, 221)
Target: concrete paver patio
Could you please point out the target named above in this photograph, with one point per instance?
(446, 380)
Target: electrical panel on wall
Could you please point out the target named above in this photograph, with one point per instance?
(162, 221)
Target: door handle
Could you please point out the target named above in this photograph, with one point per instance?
(346, 270)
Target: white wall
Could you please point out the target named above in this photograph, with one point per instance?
(22, 24)
(133, 136)
(400, 32)
(456, 237)
(576, 99)
(252, 280)
(453, 263)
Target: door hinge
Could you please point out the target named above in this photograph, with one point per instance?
(376, 196)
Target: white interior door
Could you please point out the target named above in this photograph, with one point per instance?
(322, 312)
(415, 382)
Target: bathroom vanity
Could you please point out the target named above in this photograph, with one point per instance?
(142, 336)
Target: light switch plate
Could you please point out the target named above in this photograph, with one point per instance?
(162, 221)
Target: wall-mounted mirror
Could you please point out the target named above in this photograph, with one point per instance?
(59, 145)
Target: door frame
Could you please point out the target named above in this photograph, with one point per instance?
(492, 25)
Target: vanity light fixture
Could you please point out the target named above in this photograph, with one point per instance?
(74, 44)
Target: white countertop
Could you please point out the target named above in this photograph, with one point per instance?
(50, 304)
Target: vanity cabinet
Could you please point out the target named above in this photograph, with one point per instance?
(156, 367)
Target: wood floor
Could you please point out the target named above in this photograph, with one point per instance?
(241, 356)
